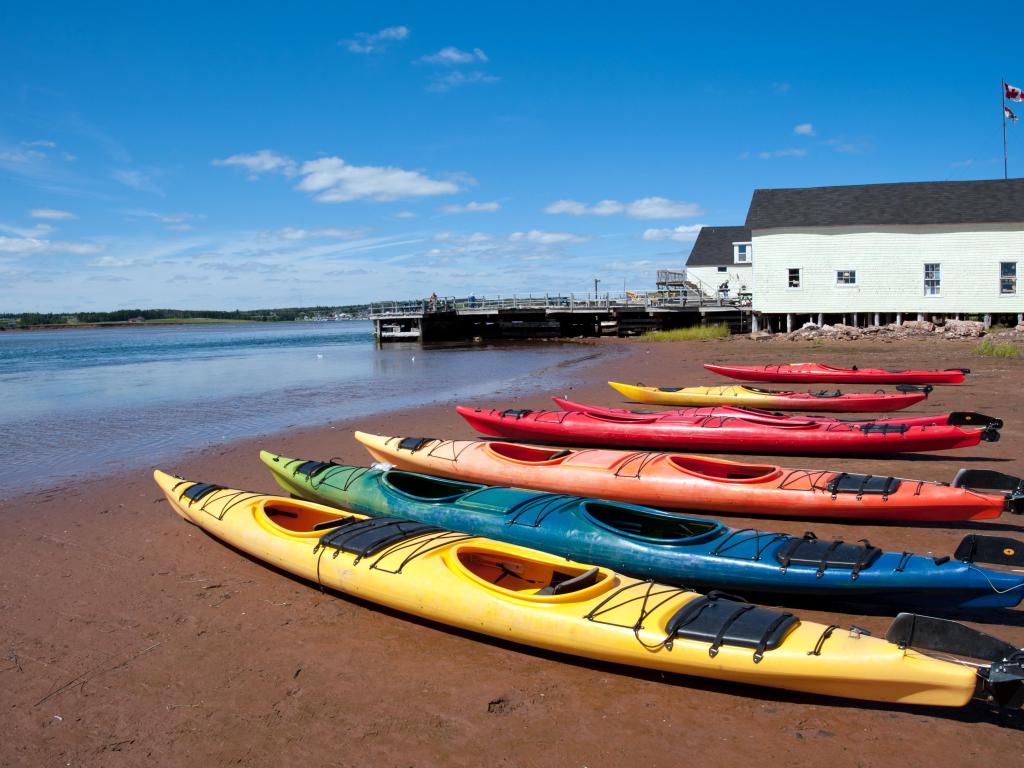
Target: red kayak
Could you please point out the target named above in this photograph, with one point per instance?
(954, 419)
(725, 434)
(828, 374)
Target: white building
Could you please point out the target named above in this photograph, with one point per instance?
(879, 253)
(721, 257)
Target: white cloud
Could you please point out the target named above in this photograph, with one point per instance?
(405, 215)
(840, 144)
(21, 155)
(472, 207)
(51, 213)
(173, 222)
(781, 87)
(682, 233)
(24, 246)
(451, 80)
(137, 180)
(263, 161)
(453, 55)
(373, 42)
(41, 143)
(335, 181)
(112, 261)
(571, 207)
(339, 233)
(769, 155)
(643, 208)
(36, 230)
(804, 129)
(547, 238)
(661, 208)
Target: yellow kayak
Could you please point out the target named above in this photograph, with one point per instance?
(755, 397)
(548, 602)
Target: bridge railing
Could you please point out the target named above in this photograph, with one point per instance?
(684, 297)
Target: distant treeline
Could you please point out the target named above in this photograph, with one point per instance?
(29, 319)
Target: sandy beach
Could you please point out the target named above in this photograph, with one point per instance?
(130, 637)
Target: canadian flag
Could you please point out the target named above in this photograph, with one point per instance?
(1012, 93)
(1008, 114)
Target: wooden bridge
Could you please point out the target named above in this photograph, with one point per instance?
(554, 315)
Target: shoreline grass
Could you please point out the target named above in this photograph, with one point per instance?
(989, 348)
(694, 333)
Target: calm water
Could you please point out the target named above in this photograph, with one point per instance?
(82, 401)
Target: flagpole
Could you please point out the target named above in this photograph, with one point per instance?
(1002, 96)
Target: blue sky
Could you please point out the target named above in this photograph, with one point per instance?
(239, 155)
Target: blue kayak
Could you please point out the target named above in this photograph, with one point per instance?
(664, 546)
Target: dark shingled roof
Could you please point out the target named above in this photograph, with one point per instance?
(928, 202)
(714, 245)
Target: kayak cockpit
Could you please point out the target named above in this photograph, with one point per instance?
(649, 524)
(527, 454)
(517, 575)
(426, 487)
(298, 517)
(761, 391)
(724, 471)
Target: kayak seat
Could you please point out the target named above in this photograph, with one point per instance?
(824, 393)
(427, 487)
(825, 553)
(670, 389)
(846, 482)
(563, 583)
(651, 525)
(368, 537)
(526, 453)
(720, 620)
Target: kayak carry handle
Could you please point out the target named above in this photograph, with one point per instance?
(973, 419)
(990, 481)
(993, 550)
(990, 435)
(908, 388)
(1001, 682)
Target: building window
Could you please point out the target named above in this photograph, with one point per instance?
(794, 278)
(1008, 277)
(932, 280)
(741, 253)
(846, 277)
(723, 269)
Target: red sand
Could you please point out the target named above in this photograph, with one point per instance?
(128, 636)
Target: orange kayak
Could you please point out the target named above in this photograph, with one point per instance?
(683, 481)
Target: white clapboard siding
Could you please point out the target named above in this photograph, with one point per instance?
(738, 275)
(890, 268)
